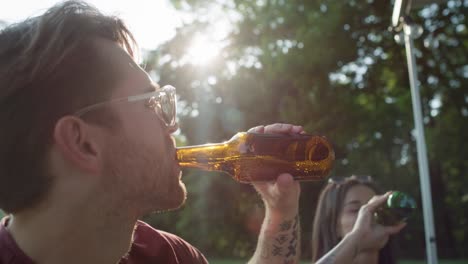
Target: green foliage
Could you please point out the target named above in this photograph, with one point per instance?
(333, 67)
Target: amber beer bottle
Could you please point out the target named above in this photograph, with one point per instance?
(398, 208)
(249, 157)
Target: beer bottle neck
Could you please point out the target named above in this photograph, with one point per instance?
(206, 157)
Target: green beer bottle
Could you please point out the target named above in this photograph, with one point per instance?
(398, 208)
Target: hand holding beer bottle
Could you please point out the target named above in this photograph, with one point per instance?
(281, 199)
(372, 236)
(281, 195)
(398, 208)
(367, 237)
(273, 158)
(261, 154)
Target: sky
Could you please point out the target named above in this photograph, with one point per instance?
(151, 21)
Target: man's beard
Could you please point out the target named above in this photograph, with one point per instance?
(142, 178)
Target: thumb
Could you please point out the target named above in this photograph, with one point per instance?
(284, 182)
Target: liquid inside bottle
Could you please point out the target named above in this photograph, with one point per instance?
(251, 157)
(398, 208)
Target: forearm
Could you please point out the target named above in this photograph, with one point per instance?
(343, 253)
(279, 240)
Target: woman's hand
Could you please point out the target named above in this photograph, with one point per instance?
(369, 235)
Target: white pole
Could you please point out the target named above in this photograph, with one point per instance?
(431, 247)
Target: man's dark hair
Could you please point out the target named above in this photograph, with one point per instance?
(49, 68)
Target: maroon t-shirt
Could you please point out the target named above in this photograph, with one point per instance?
(149, 246)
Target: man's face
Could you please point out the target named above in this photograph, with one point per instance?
(140, 170)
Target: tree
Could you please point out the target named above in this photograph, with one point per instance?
(333, 67)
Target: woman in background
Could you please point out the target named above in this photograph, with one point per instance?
(344, 219)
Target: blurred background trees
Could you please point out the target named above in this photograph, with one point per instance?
(333, 67)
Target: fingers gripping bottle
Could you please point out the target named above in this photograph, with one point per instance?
(398, 208)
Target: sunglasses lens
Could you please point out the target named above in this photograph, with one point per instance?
(168, 104)
(340, 180)
(335, 180)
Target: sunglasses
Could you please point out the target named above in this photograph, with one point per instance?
(340, 180)
(163, 102)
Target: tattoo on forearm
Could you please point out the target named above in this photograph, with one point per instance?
(277, 250)
(281, 239)
(286, 241)
(293, 243)
(285, 226)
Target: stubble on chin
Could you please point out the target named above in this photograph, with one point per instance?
(177, 194)
(143, 178)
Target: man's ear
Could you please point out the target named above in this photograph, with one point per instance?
(79, 143)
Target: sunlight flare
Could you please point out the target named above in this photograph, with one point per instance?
(203, 49)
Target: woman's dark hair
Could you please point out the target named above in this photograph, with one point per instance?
(50, 66)
(325, 236)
